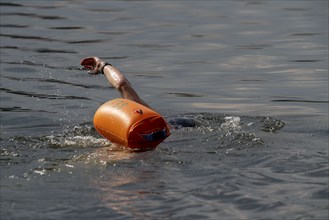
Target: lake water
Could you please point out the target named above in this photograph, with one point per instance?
(253, 73)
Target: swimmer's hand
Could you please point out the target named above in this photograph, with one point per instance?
(94, 64)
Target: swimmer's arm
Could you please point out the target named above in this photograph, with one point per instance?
(119, 81)
(114, 76)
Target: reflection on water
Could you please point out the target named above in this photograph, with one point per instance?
(259, 67)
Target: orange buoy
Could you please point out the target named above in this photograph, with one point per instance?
(130, 124)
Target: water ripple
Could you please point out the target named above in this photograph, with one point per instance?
(28, 37)
(14, 25)
(55, 81)
(38, 50)
(149, 45)
(31, 15)
(67, 28)
(30, 63)
(85, 41)
(305, 34)
(305, 61)
(10, 4)
(254, 46)
(42, 96)
(20, 109)
(299, 100)
(184, 94)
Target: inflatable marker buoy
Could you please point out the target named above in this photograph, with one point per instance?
(130, 124)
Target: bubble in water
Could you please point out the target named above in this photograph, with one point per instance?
(272, 125)
(41, 172)
(231, 123)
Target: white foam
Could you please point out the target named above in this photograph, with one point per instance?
(78, 141)
(231, 122)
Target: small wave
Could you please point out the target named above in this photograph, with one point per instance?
(215, 134)
(10, 4)
(85, 41)
(42, 96)
(33, 63)
(38, 50)
(184, 94)
(226, 133)
(222, 129)
(75, 141)
(27, 37)
(32, 15)
(79, 136)
(271, 124)
(56, 152)
(67, 28)
(299, 100)
(20, 109)
(33, 79)
(14, 25)
(152, 46)
(231, 122)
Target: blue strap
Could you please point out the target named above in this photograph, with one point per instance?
(155, 136)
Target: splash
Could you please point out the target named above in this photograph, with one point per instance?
(206, 133)
(231, 123)
(75, 141)
(227, 133)
(80, 136)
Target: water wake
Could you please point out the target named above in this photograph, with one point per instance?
(198, 133)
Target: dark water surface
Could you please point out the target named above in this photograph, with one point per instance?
(254, 74)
